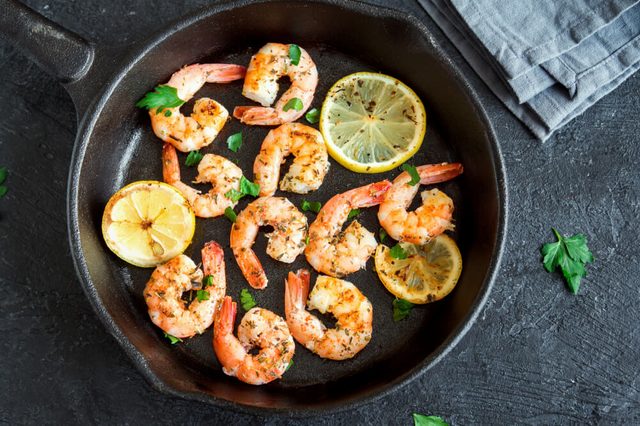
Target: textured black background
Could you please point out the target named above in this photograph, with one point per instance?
(536, 355)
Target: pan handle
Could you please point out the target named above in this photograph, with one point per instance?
(59, 52)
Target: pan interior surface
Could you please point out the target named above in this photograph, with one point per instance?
(120, 147)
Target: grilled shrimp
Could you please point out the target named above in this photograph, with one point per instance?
(309, 167)
(337, 253)
(352, 310)
(223, 175)
(286, 241)
(261, 85)
(429, 220)
(259, 328)
(208, 116)
(163, 292)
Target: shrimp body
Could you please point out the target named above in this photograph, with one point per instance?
(167, 283)
(224, 175)
(309, 167)
(352, 310)
(429, 220)
(261, 85)
(337, 253)
(208, 116)
(286, 241)
(259, 328)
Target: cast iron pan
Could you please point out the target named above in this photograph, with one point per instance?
(115, 146)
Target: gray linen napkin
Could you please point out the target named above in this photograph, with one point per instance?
(548, 61)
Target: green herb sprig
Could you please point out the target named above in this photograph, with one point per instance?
(401, 309)
(246, 188)
(313, 206)
(422, 420)
(234, 142)
(193, 158)
(570, 254)
(161, 97)
(246, 299)
(413, 172)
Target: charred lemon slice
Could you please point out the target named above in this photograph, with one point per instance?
(147, 223)
(427, 273)
(372, 122)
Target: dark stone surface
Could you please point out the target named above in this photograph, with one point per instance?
(537, 354)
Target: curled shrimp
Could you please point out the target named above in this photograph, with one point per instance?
(261, 85)
(286, 241)
(259, 328)
(223, 175)
(352, 310)
(163, 292)
(429, 220)
(337, 253)
(309, 167)
(208, 116)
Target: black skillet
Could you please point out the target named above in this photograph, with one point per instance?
(115, 146)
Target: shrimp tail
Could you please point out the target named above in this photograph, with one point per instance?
(225, 318)
(252, 269)
(261, 116)
(225, 73)
(436, 173)
(296, 290)
(213, 260)
(170, 165)
(370, 195)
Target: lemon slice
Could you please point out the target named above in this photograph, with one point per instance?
(428, 273)
(147, 223)
(372, 122)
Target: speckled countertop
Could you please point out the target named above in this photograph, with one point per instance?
(536, 355)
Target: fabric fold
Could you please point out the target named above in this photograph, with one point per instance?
(597, 47)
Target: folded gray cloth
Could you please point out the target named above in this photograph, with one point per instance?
(548, 61)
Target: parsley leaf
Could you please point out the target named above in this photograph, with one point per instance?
(3, 177)
(234, 195)
(306, 240)
(383, 234)
(249, 188)
(193, 158)
(413, 172)
(294, 103)
(234, 142)
(289, 365)
(401, 309)
(246, 188)
(571, 255)
(294, 54)
(207, 281)
(162, 97)
(313, 115)
(397, 252)
(230, 214)
(172, 339)
(313, 206)
(246, 299)
(202, 295)
(422, 420)
(353, 213)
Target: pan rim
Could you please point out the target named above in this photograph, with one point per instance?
(90, 118)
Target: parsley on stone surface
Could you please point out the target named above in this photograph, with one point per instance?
(234, 142)
(570, 254)
(422, 420)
